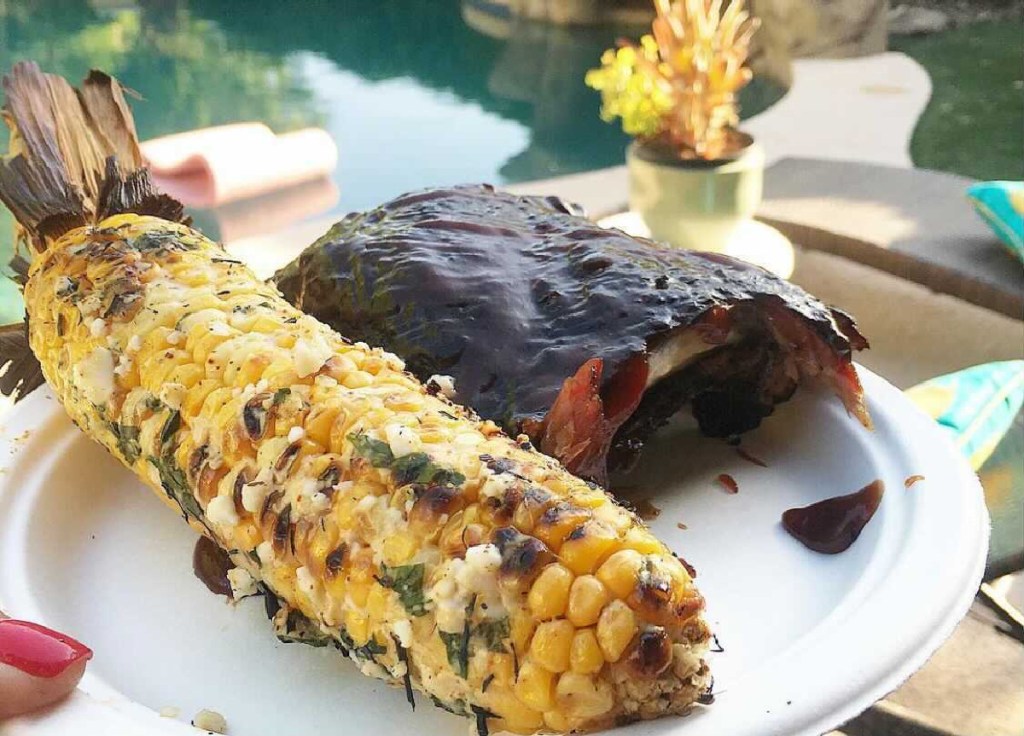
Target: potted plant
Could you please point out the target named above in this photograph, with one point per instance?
(694, 178)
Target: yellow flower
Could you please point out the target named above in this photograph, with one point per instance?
(679, 83)
(632, 88)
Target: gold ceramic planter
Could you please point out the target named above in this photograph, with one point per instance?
(694, 203)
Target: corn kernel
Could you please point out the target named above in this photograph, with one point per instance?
(615, 629)
(550, 592)
(587, 547)
(582, 697)
(585, 656)
(318, 426)
(357, 379)
(398, 548)
(535, 686)
(557, 522)
(551, 644)
(503, 667)
(619, 572)
(522, 629)
(357, 625)
(587, 598)
(556, 721)
(521, 720)
(642, 541)
(377, 602)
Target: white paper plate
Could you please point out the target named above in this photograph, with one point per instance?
(810, 640)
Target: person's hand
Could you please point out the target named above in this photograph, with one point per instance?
(38, 666)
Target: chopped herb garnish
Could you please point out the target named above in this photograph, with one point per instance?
(127, 441)
(170, 429)
(416, 467)
(280, 395)
(445, 477)
(298, 629)
(458, 655)
(270, 601)
(370, 650)
(407, 581)
(378, 453)
(172, 478)
(409, 468)
(457, 645)
(153, 403)
(403, 657)
(494, 632)
(482, 714)
(458, 707)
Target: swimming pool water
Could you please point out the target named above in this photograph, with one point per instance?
(413, 94)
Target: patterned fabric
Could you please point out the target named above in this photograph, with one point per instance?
(1001, 205)
(976, 405)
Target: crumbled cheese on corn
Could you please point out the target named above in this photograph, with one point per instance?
(98, 327)
(497, 485)
(63, 286)
(253, 495)
(403, 630)
(403, 441)
(173, 394)
(220, 328)
(221, 511)
(95, 374)
(265, 551)
(305, 581)
(445, 385)
(124, 365)
(296, 433)
(476, 575)
(242, 583)
(310, 354)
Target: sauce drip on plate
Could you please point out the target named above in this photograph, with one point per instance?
(912, 480)
(211, 564)
(832, 525)
(728, 483)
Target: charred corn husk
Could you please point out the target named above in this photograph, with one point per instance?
(438, 553)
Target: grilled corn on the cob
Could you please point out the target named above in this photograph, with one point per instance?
(436, 551)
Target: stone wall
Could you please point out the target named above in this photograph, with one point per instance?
(790, 28)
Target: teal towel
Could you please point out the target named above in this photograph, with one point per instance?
(1001, 205)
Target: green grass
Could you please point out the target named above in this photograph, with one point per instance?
(974, 122)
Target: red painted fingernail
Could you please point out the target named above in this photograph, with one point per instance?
(37, 650)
